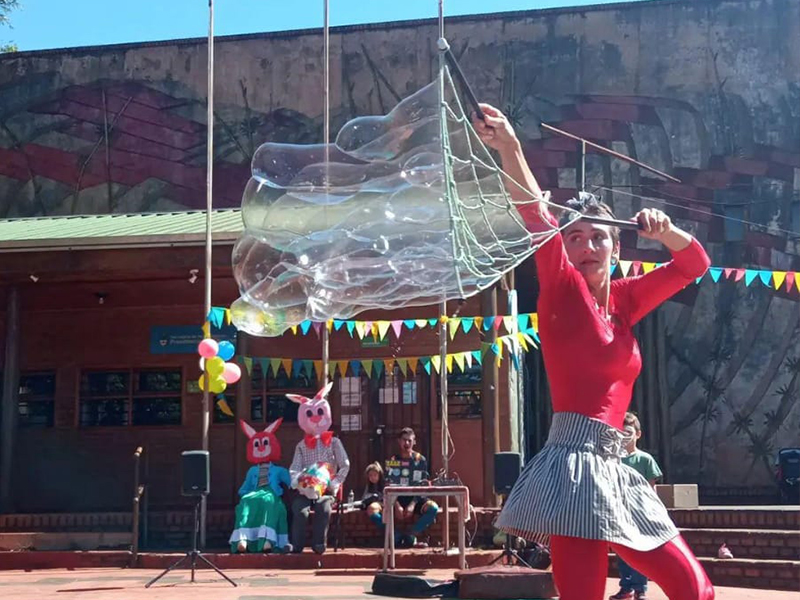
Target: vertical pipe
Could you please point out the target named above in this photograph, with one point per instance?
(445, 418)
(9, 409)
(489, 399)
(580, 171)
(326, 117)
(209, 206)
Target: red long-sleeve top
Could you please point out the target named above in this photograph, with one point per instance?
(592, 361)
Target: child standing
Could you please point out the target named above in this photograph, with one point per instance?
(633, 584)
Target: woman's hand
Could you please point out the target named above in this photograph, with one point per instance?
(495, 131)
(656, 225)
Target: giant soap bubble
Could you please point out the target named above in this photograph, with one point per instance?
(406, 209)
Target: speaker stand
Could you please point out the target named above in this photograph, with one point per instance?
(510, 556)
(193, 555)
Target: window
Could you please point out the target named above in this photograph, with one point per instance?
(269, 401)
(123, 397)
(464, 393)
(389, 392)
(350, 391)
(37, 399)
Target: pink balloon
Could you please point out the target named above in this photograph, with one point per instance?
(231, 373)
(208, 348)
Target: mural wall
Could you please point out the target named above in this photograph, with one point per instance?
(708, 90)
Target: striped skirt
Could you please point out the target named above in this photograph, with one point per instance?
(577, 487)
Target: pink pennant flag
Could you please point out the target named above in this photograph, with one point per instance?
(739, 275)
(498, 321)
(317, 327)
(637, 267)
(728, 271)
(397, 327)
(791, 276)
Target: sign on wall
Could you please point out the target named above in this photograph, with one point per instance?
(183, 339)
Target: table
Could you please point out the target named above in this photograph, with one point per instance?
(461, 494)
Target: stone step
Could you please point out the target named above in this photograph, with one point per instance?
(737, 517)
(65, 540)
(753, 573)
(745, 543)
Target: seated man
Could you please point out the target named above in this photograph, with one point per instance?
(410, 468)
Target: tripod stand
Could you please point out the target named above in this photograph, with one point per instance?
(194, 554)
(510, 556)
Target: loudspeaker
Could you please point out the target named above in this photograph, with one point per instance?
(196, 471)
(507, 467)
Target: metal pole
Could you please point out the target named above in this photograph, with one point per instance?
(326, 117)
(445, 418)
(580, 172)
(209, 206)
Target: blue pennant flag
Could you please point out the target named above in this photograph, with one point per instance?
(749, 276)
(305, 326)
(765, 277)
(716, 273)
(351, 326)
(355, 365)
(337, 324)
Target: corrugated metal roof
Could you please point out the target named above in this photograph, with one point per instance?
(116, 231)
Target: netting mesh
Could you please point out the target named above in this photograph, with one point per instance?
(406, 209)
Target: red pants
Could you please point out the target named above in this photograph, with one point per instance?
(580, 568)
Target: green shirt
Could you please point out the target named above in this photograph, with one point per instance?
(644, 463)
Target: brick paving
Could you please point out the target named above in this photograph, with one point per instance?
(128, 584)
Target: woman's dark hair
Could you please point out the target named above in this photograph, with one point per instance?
(375, 487)
(589, 204)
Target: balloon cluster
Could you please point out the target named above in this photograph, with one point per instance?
(213, 361)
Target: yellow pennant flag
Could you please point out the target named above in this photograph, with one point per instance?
(329, 325)
(500, 346)
(275, 363)
(535, 321)
(342, 364)
(625, 267)
(521, 339)
(459, 357)
(648, 266)
(448, 361)
(224, 407)
(206, 330)
(499, 359)
(778, 277)
(453, 325)
(286, 363)
(436, 361)
(478, 322)
(383, 327)
(318, 368)
(294, 329)
(412, 364)
(388, 365)
(403, 364)
(228, 316)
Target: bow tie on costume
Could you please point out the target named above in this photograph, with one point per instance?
(325, 438)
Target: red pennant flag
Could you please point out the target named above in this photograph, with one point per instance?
(637, 267)
(790, 279)
(497, 323)
(728, 272)
(739, 275)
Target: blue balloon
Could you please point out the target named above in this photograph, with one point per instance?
(226, 350)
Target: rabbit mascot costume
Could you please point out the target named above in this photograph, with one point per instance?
(261, 523)
(318, 469)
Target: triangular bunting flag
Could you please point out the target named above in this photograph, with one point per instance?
(342, 366)
(715, 273)
(459, 358)
(765, 277)
(738, 274)
(308, 367)
(522, 321)
(535, 321)
(410, 323)
(421, 323)
(515, 361)
(216, 316)
(397, 327)
(317, 327)
(508, 323)
(275, 363)
(383, 328)
(479, 322)
(412, 364)
(699, 279)
(625, 267)
(248, 364)
(305, 326)
(337, 324)
(749, 276)
(637, 267)
(476, 354)
(294, 329)
(329, 325)
(206, 327)
(436, 361)
(452, 326)
(286, 363)
(426, 364)
(433, 322)
(613, 268)
(648, 266)
(791, 276)
(778, 277)
(728, 272)
(377, 367)
(361, 329)
(351, 325)
(297, 368)
(227, 316)
(403, 364)
(448, 362)
(224, 406)
(318, 368)
(467, 323)
(468, 359)
(367, 364)
(355, 366)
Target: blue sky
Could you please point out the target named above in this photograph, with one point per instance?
(40, 24)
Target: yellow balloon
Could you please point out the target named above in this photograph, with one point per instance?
(202, 382)
(215, 366)
(217, 385)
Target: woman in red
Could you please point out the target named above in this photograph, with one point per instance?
(576, 490)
